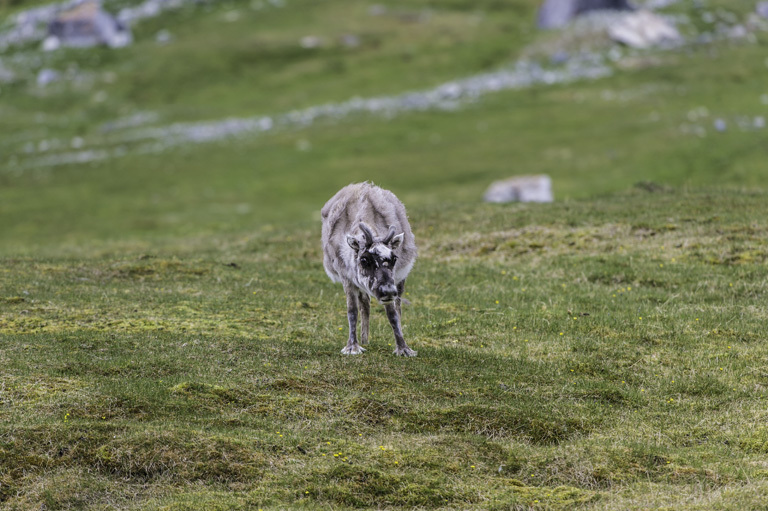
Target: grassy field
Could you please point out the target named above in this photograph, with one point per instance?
(169, 339)
(603, 353)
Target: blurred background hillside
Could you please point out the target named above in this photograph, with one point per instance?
(228, 116)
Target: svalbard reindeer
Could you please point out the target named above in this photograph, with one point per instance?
(368, 246)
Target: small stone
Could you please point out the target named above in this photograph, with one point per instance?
(720, 125)
(738, 32)
(559, 57)
(762, 9)
(350, 40)
(51, 43)
(163, 37)
(310, 41)
(46, 76)
(520, 189)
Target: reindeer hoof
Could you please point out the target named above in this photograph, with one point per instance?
(353, 349)
(405, 352)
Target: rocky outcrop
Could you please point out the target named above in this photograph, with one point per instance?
(558, 13)
(84, 26)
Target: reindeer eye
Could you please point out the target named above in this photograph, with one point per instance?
(365, 261)
(394, 259)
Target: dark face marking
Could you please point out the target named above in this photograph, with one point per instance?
(376, 270)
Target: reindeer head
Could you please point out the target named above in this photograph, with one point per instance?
(375, 262)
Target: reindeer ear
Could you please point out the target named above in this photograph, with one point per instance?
(353, 242)
(396, 241)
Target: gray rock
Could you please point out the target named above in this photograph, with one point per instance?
(559, 57)
(46, 76)
(558, 13)
(520, 189)
(163, 37)
(661, 4)
(720, 125)
(30, 25)
(88, 25)
(762, 9)
(350, 40)
(51, 43)
(737, 31)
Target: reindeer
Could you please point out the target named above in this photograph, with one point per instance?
(365, 263)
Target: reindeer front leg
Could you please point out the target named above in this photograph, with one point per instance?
(400, 293)
(394, 321)
(352, 348)
(365, 312)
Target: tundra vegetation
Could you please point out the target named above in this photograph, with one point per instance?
(169, 339)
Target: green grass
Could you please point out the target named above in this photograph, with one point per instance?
(596, 147)
(169, 339)
(255, 65)
(593, 352)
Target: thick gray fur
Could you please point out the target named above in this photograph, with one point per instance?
(363, 221)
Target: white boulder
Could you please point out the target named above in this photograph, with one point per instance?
(643, 29)
(520, 189)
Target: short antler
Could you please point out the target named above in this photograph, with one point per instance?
(390, 235)
(368, 233)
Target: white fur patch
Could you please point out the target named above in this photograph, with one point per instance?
(381, 250)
